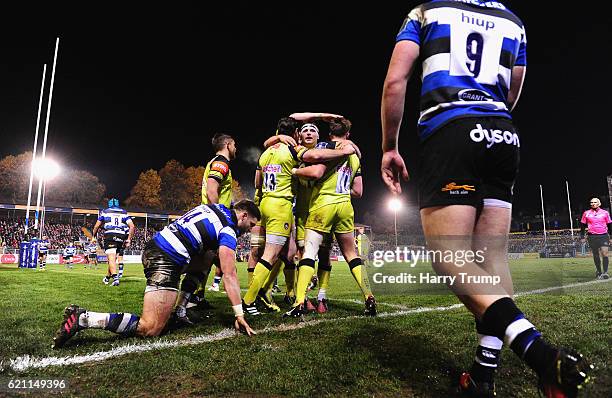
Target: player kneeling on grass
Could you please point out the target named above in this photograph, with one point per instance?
(165, 258)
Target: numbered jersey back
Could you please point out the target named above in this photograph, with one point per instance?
(115, 221)
(468, 49)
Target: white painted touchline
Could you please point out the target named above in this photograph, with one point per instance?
(26, 362)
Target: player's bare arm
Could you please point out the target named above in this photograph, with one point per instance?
(95, 230)
(516, 85)
(312, 172)
(258, 179)
(280, 138)
(326, 155)
(132, 227)
(232, 287)
(349, 142)
(313, 116)
(400, 69)
(357, 187)
(212, 190)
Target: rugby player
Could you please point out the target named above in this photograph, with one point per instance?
(92, 250)
(43, 250)
(216, 189)
(166, 256)
(309, 137)
(473, 58)
(599, 226)
(68, 254)
(114, 221)
(217, 182)
(275, 179)
(331, 214)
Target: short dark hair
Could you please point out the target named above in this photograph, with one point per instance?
(249, 206)
(339, 127)
(220, 140)
(287, 126)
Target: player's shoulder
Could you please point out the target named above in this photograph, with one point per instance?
(220, 164)
(493, 8)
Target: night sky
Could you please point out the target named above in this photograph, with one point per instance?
(138, 86)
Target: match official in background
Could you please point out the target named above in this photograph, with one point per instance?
(596, 221)
(473, 59)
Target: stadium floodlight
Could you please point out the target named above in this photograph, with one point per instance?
(46, 169)
(395, 205)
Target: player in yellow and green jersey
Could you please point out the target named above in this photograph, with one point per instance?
(331, 212)
(285, 132)
(216, 189)
(309, 136)
(217, 181)
(275, 179)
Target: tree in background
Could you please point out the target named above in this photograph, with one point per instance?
(237, 193)
(72, 186)
(175, 189)
(194, 176)
(146, 192)
(15, 176)
(77, 187)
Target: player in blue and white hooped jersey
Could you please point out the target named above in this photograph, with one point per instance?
(473, 59)
(170, 253)
(43, 250)
(118, 231)
(92, 254)
(68, 254)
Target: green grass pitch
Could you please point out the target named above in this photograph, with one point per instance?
(401, 353)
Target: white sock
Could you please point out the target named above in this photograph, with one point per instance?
(322, 294)
(93, 320)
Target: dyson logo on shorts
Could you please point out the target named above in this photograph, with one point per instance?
(494, 136)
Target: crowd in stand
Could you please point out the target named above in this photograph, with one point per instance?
(62, 233)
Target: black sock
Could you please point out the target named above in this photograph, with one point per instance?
(605, 264)
(508, 323)
(597, 261)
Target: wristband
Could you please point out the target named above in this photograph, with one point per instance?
(238, 310)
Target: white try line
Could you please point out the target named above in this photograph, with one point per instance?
(26, 362)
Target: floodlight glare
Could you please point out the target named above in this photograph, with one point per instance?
(395, 204)
(46, 168)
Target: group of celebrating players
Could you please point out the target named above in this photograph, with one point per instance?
(303, 200)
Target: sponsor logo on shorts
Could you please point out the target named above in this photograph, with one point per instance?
(286, 225)
(474, 95)
(494, 136)
(454, 189)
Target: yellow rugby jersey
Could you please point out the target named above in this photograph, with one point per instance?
(219, 169)
(335, 185)
(276, 163)
(302, 197)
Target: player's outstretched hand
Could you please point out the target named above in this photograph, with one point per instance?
(392, 168)
(242, 326)
(287, 140)
(357, 150)
(346, 148)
